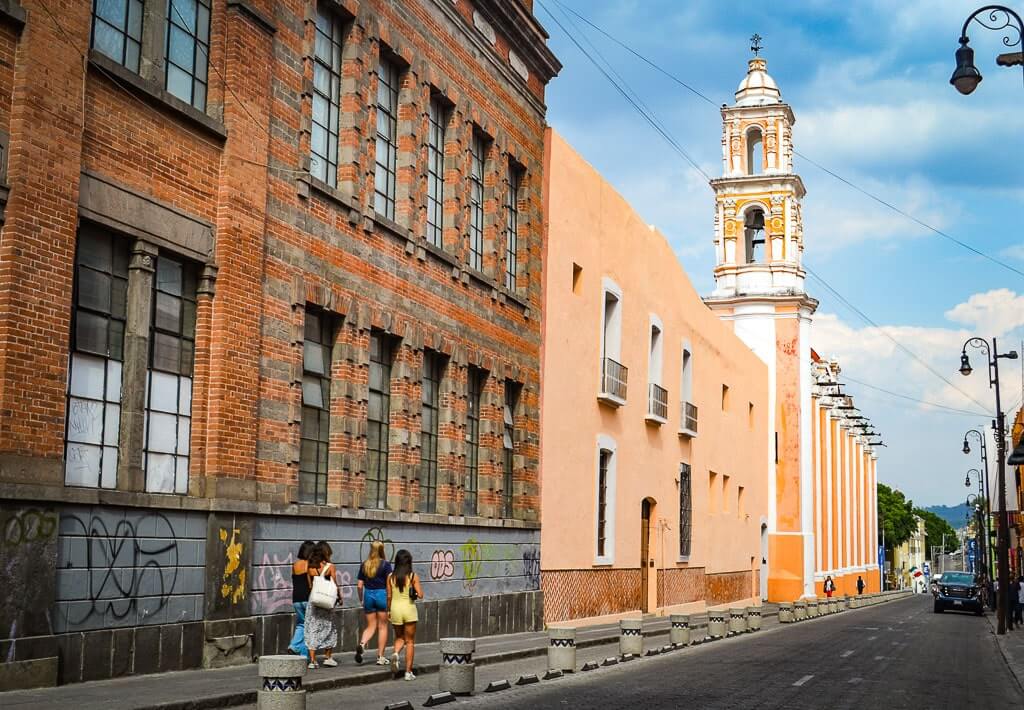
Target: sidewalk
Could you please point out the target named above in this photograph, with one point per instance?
(1011, 645)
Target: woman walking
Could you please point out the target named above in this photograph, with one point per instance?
(372, 584)
(321, 634)
(830, 587)
(403, 589)
(300, 598)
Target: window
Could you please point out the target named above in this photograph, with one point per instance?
(387, 139)
(753, 234)
(117, 30)
(685, 510)
(604, 459)
(657, 406)
(326, 96)
(515, 177)
(508, 443)
(686, 378)
(577, 277)
(613, 374)
(725, 398)
(725, 494)
(188, 48)
(476, 379)
(316, 407)
(169, 385)
(378, 427)
(433, 371)
(713, 502)
(750, 415)
(478, 154)
(755, 153)
(438, 119)
(97, 349)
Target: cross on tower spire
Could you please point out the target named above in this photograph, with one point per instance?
(755, 44)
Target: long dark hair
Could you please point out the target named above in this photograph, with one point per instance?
(321, 553)
(403, 568)
(305, 549)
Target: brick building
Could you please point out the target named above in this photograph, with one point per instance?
(269, 270)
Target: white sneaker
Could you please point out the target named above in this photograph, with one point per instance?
(330, 662)
(382, 661)
(409, 675)
(311, 666)
(394, 664)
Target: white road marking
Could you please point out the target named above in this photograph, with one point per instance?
(880, 658)
(855, 680)
(803, 680)
(846, 654)
(872, 638)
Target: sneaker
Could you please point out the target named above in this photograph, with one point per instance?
(330, 662)
(409, 675)
(359, 653)
(311, 666)
(394, 664)
(382, 661)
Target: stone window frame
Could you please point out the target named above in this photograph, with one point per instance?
(685, 511)
(435, 367)
(327, 329)
(176, 20)
(605, 444)
(512, 399)
(131, 41)
(340, 23)
(434, 233)
(387, 58)
(476, 385)
(478, 154)
(515, 185)
(381, 476)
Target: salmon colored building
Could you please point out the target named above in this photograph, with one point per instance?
(654, 418)
(821, 512)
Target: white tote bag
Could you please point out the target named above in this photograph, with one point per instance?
(324, 593)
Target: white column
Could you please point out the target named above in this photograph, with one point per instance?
(848, 560)
(830, 536)
(819, 526)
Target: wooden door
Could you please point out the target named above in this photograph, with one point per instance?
(645, 554)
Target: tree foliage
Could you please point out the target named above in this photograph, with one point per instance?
(895, 516)
(935, 527)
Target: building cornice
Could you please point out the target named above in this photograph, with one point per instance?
(753, 183)
(524, 32)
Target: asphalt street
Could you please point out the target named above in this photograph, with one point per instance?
(894, 655)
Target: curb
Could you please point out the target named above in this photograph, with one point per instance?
(1008, 659)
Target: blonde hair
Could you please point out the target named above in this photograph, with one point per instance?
(372, 563)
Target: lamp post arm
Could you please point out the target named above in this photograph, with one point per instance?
(996, 14)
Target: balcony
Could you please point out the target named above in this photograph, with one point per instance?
(657, 404)
(613, 383)
(688, 420)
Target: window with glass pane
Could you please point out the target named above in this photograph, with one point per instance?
(476, 379)
(433, 371)
(387, 139)
(508, 443)
(378, 427)
(478, 155)
(117, 30)
(515, 176)
(326, 96)
(685, 510)
(602, 499)
(438, 118)
(316, 407)
(172, 335)
(97, 349)
(188, 49)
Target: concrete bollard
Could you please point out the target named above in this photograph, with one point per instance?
(786, 615)
(562, 650)
(679, 633)
(457, 674)
(737, 621)
(833, 606)
(753, 618)
(716, 624)
(812, 608)
(800, 611)
(281, 683)
(631, 637)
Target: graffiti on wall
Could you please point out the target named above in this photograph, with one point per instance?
(375, 535)
(442, 564)
(233, 580)
(28, 526)
(472, 563)
(28, 545)
(531, 567)
(274, 583)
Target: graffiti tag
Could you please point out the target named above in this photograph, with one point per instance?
(233, 581)
(531, 567)
(472, 563)
(28, 526)
(442, 564)
(275, 593)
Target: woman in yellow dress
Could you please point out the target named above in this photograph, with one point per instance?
(403, 591)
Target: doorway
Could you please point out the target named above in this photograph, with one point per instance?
(646, 562)
(764, 561)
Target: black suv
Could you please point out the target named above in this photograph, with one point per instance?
(959, 591)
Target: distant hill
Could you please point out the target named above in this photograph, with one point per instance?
(952, 514)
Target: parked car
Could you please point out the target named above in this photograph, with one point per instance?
(959, 591)
(934, 585)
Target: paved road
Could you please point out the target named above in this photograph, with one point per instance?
(895, 655)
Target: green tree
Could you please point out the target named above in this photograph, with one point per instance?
(934, 528)
(895, 516)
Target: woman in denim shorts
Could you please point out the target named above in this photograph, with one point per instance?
(372, 583)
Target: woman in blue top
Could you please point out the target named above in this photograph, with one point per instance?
(372, 583)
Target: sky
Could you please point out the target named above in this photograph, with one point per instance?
(869, 83)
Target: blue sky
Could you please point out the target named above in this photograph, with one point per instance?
(868, 81)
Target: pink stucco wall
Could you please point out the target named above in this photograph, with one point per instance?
(593, 227)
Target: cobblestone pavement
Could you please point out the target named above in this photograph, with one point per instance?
(894, 655)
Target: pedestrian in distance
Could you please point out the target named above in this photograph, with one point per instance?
(300, 597)
(860, 584)
(321, 633)
(403, 589)
(1018, 611)
(1013, 592)
(830, 587)
(372, 586)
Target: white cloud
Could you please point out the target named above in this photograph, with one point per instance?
(995, 313)
(1015, 251)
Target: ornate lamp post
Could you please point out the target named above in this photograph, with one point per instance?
(986, 494)
(982, 530)
(966, 76)
(992, 358)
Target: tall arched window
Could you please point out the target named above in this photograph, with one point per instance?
(755, 152)
(753, 234)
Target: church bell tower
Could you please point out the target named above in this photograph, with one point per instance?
(759, 288)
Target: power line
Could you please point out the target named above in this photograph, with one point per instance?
(952, 410)
(849, 183)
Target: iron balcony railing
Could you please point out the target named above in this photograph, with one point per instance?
(613, 378)
(688, 417)
(657, 401)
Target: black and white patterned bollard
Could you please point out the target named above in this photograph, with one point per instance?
(562, 650)
(281, 683)
(679, 632)
(754, 618)
(800, 610)
(786, 615)
(737, 621)
(631, 637)
(457, 674)
(716, 624)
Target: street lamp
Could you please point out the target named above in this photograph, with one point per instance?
(992, 357)
(987, 494)
(966, 76)
(979, 496)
